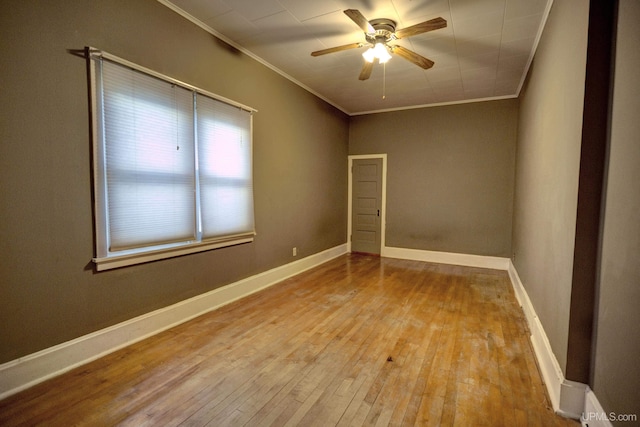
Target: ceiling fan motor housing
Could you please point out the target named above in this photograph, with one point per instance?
(384, 31)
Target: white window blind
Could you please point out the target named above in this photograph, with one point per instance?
(148, 141)
(173, 167)
(224, 154)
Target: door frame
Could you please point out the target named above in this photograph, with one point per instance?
(383, 210)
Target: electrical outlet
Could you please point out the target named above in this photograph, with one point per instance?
(295, 251)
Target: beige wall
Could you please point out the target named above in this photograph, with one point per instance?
(450, 174)
(49, 292)
(616, 371)
(547, 167)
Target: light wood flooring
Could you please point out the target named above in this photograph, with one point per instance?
(360, 340)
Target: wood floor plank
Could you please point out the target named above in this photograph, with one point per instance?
(360, 340)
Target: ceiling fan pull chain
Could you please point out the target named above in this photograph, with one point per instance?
(384, 80)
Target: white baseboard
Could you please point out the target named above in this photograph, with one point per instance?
(466, 260)
(32, 369)
(567, 397)
(549, 366)
(572, 399)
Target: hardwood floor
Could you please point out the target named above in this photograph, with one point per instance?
(357, 341)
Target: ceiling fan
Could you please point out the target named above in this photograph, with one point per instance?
(378, 33)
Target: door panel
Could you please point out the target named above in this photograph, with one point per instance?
(366, 204)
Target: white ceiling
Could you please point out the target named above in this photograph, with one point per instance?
(483, 53)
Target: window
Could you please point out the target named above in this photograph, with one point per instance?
(172, 166)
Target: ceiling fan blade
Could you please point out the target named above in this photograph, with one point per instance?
(336, 49)
(411, 56)
(366, 70)
(423, 27)
(360, 20)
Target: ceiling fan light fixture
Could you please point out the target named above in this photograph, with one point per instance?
(382, 53)
(379, 51)
(369, 55)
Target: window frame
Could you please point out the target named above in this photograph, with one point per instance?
(104, 259)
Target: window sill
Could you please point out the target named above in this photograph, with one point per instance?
(117, 261)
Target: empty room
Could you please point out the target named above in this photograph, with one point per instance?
(347, 212)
